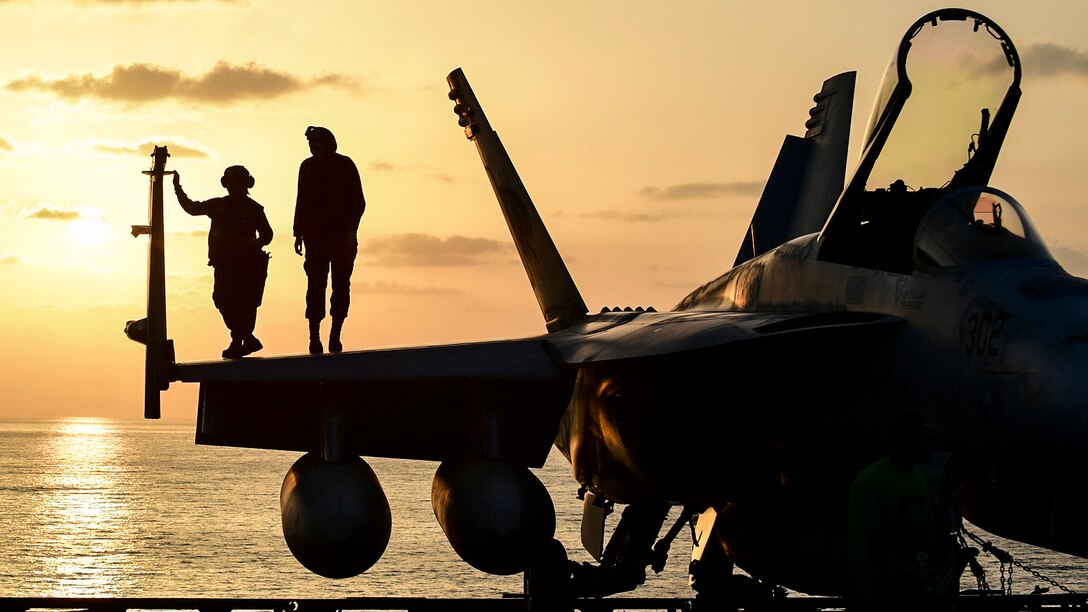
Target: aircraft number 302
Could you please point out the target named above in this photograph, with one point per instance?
(982, 334)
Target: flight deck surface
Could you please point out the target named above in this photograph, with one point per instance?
(971, 602)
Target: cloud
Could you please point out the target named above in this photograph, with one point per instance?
(145, 148)
(1041, 60)
(5, 144)
(10, 259)
(629, 217)
(384, 166)
(445, 178)
(395, 288)
(426, 250)
(55, 214)
(1051, 60)
(135, 83)
(691, 191)
(48, 212)
(381, 166)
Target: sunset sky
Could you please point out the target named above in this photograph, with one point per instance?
(643, 130)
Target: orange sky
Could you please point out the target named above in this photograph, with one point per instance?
(643, 130)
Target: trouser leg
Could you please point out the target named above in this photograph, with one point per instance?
(236, 295)
(240, 319)
(230, 321)
(342, 264)
(246, 320)
(317, 275)
(226, 295)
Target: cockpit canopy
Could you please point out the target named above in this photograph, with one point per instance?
(938, 124)
(976, 225)
(955, 69)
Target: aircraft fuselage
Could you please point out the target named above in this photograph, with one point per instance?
(1001, 337)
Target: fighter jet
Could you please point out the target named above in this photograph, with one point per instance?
(910, 285)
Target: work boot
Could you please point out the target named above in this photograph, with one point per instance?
(251, 345)
(236, 350)
(334, 336)
(315, 337)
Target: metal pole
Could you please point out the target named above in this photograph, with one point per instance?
(158, 355)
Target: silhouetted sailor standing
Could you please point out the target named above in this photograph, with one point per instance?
(238, 232)
(327, 212)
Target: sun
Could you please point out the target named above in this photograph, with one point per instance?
(87, 231)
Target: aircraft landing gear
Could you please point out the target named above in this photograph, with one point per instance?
(549, 584)
(718, 589)
(628, 553)
(711, 576)
(553, 583)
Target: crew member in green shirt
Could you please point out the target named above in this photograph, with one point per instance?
(891, 522)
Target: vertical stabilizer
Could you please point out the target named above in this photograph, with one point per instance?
(556, 293)
(808, 175)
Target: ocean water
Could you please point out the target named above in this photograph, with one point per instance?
(114, 508)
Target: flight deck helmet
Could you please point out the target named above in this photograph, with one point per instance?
(321, 138)
(237, 176)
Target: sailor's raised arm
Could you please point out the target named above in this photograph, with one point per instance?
(189, 206)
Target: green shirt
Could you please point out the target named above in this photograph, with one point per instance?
(890, 521)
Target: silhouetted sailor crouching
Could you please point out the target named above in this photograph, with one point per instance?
(238, 232)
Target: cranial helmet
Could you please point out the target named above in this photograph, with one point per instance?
(237, 175)
(322, 135)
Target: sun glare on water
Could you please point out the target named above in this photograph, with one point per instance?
(86, 510)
